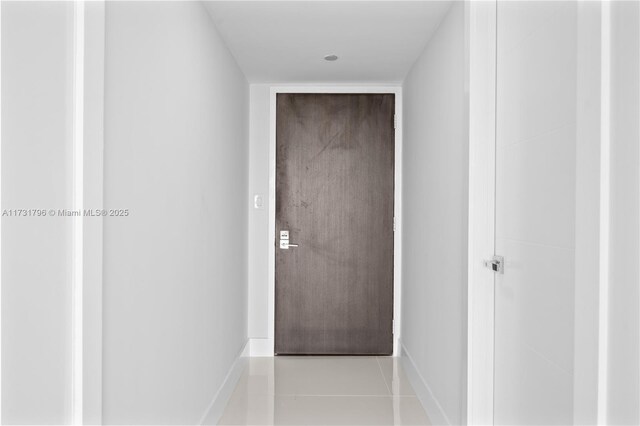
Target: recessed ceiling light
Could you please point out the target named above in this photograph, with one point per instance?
(331, 58)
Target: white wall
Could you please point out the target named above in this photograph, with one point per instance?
(587, 213)
(624, 320)
(93, 198)
(37, 48)
(259, 218)
(176, 155)
(435, 191)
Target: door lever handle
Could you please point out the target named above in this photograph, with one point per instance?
(496, 264)
(284, 245)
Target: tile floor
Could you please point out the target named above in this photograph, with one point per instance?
(324, 391)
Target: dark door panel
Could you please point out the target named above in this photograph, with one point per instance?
(334, 194)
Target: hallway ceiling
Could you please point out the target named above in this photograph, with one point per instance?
(286, 41)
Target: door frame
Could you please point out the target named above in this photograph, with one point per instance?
(480, 46)
(397, 207)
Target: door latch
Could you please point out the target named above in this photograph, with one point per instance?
(496, 264)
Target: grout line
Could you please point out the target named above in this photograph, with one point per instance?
(383, 379)
(350, 396)
(311, 395)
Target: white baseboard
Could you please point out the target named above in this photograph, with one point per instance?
(261, 347)
(214, 411)
(423, 391)
(246, 351)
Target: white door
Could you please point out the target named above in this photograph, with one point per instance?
(535, 212)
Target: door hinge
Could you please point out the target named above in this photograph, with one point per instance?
(394, 224)
(393, 326)
(496, 264)
(395, 121)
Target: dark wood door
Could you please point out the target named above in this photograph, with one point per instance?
(334, 194)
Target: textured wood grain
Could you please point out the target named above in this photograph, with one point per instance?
(334, 194)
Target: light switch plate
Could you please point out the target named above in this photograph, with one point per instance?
(258, 202)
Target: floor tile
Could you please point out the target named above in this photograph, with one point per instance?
(324, 391)
(323, 410)
(328, 376)
(257, 378)
(395, 377)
